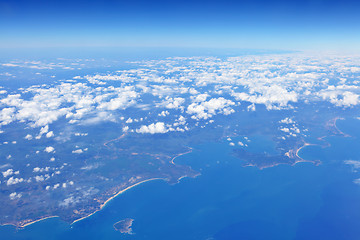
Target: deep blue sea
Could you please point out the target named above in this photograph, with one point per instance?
(229, 201)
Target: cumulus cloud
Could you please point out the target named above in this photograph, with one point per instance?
(39, 178)
(251, 107)
(153, 128)
(49, 149)
(78, 151)
(340, 98)
(286, 121)
(72, 100)
(12, 181)
(15, 195)
(28, 137)
(186, 84)
(50, 134)
(285, 129)
(69, 201)
(273, 97)
(121, 102)
(207, 109)
(163, 114)
(8, 172)
(173, 103)
(38, 169)
(7, 116)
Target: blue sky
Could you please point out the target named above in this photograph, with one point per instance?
(276, 24)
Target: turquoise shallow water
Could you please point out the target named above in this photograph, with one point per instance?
(229, 201)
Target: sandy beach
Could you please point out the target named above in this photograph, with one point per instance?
(120, 192)
(20, 225)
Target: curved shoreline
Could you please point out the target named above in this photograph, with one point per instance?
(303, 146)
(29, 223)
(113, 140)
(117, 194)
(21, 226)
(180, 154)
(128, 228)
(331, 123)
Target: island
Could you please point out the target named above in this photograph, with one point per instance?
(124, 226)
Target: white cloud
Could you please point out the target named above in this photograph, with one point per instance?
(200, 98)
(163, 114)
(69, 201)
(121, 102)
(15, 195)
(153, 128)
(285, 129)
(12, 181)
(8, 172)
(91, 167)
(355, 164)
(7, 116)
(44, 130)
(50, 134)
(340, 98)
(207, 109)
(251, 107)
(286, 121)
(39, 178)
(49, 149)
(174, 103)
(78, 151)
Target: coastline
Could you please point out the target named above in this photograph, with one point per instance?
(316, 162)
(333, 123)
(293, 153)
(303, 146)
(337, 128)
(127, 228)
(180, 154)
(35, 221)
(113, 140)
(117, 194)
(21, 226)
(25, 223)
(28, 222)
